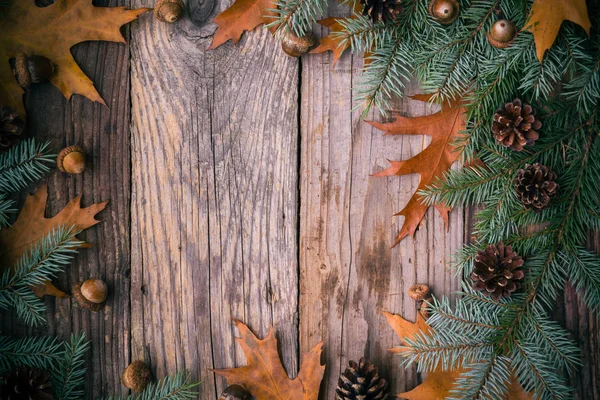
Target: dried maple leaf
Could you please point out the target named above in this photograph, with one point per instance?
(547, 16)
(264, 376)
(51, 32)
(438, 383)
(243, 15)
(31, 226)
(445, 128)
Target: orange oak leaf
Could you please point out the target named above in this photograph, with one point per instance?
(31, 225)
(546, 17)
(264, 376)
(51, 32)
(405, 329)
(243, 15)
(445, 128)
(332, 42)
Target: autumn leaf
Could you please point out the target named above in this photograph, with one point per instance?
(243, 15)
(51, 32)
(264, 376)
(439, 383)
(445, 128)
(332, 42)
(32, 225)
(546, 17)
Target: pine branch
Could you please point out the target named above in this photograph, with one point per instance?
(25, 163)
(38, 352)
(6, 208)
(174, 387)
(68, 376)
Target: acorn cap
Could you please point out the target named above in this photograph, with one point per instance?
(88, 294)
(419, 292)
(502, 34)
(22, 71)
(136, 376)
(444, 11)
(71, 160)
(40, 68)
(168, 10)
(235, 392)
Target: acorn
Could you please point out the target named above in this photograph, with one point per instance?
(502, 34)
(423, 308)
(91, 294)
(296, 46)
(32, 69)
(235, 392)
(71, 160)
(136, 376)
(169, 10)
(444, 11)
(419, 292)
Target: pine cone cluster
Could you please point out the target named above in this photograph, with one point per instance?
(26, 384)
(515, 125)
(361, 382)
(10, 127)
(382, 10)
(535, 186)
(497, 271)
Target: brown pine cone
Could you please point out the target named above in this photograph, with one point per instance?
(361, 382)
(11, 127)
(535, 186)
(382, 10)
(497, 271)
(515, 125)
(26, 384)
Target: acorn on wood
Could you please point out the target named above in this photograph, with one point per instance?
(136, 376)
(296, 46)
(32, 69)
(421, 293)
(91, 294)
(235, 392)
(502, 34)
(444, 11)
(71, 160)
(169, 10)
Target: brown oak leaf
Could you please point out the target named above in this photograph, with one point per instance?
(445, 128)
(438, 383)
(264, 376)
(31, 225)
(51, 32)
(243, 15)
(332, 42)
(546, 17)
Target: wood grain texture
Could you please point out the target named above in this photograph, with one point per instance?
(103, 132)
(348, 272)
(214, 196)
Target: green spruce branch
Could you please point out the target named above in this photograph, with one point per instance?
(174, 387)
(23, 164)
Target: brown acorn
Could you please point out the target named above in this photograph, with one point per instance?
(444, 11)
(32, 69)
(71, 160)
(295, 46)
(91, 294)
(136, 376)
(235, 392)
(423, 308)
(502, 34)
(419, 292)
(169, 10)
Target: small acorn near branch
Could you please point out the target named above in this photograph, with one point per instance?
(169, 10)
(71, 160)
(502, 34)
(91, 294)
(136, 376)
(32, 69)
(296, 46)
(421, 293)
(235, 392)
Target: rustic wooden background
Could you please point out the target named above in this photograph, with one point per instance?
(239, 187)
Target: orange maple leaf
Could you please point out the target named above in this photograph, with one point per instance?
(31, 226)
(51, 32)
(439, 383)
(243, 15)
(264, 376)
(445, 128)
(546, 17)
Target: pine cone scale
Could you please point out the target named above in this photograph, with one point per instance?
(497, 271)
(515, 125)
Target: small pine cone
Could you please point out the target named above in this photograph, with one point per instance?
(535, 186)
(382, 10)
(497, 271)
(26, 384)
(11, 127)
(361, 382)
(515, 125)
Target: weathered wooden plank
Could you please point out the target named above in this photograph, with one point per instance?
(348, 272)
(214, 196)
(103, 132)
